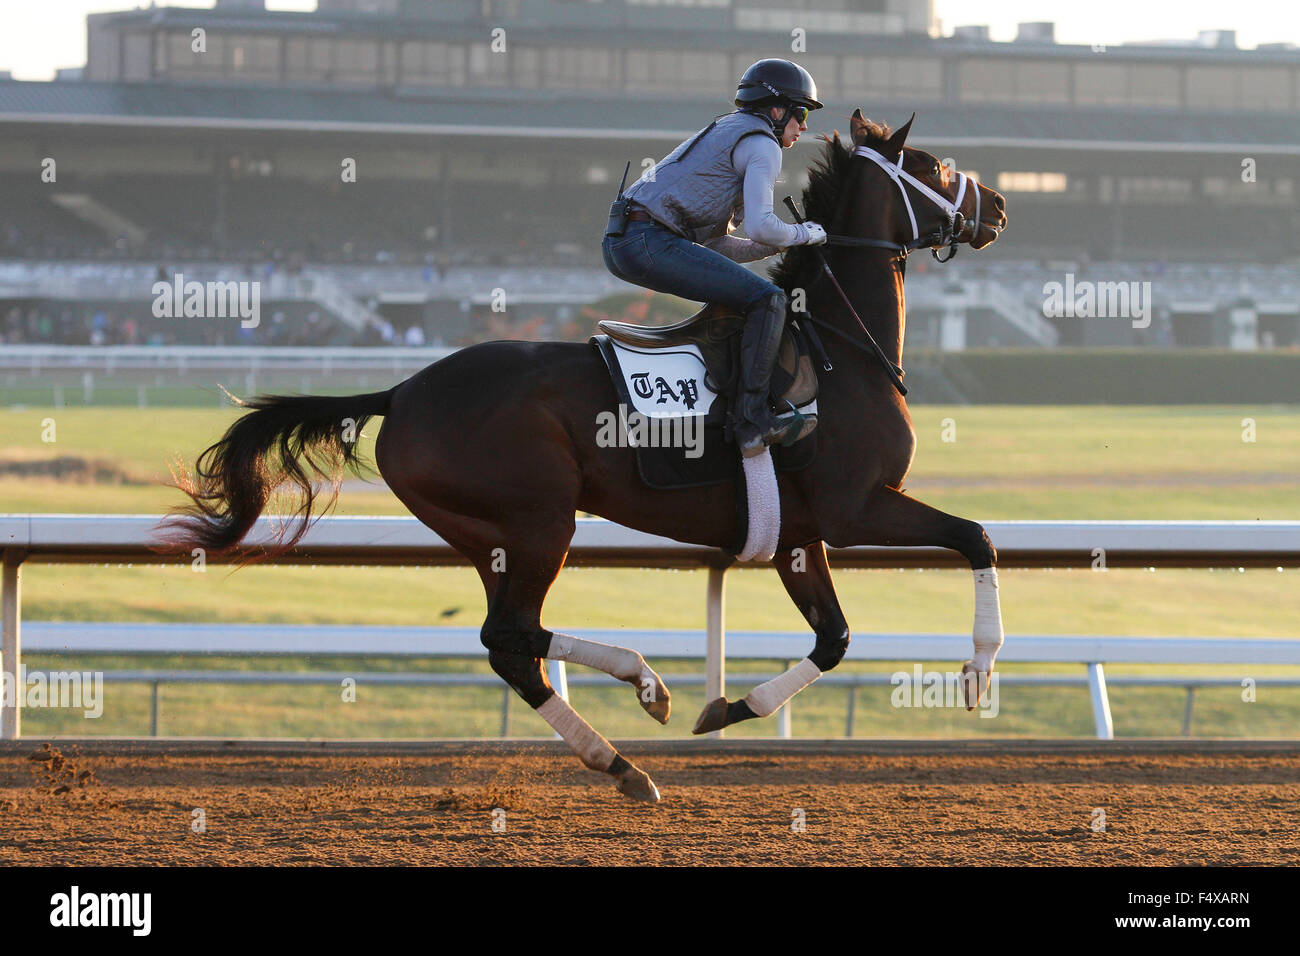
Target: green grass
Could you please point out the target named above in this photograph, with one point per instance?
(1109, 462)
(1167, 602)
(1009, 462)
(141, 445)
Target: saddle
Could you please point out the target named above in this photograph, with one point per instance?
(715, 331)
(689, 374)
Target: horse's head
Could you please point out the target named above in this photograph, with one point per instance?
(864, 198)
(930, 203)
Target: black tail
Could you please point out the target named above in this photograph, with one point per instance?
(284, 439)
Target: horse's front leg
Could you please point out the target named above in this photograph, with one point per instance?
(807, 579)
(891, 518)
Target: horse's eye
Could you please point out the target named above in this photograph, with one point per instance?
(935, 171)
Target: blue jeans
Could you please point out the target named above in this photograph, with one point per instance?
(656, 258)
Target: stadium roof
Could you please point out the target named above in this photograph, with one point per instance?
(646, 26)
(561, 114)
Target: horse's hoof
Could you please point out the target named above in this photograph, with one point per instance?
(974, 683)
(712, 717)
(653, 695)
(637, 785)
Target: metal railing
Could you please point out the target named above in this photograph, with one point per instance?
(81, 638)
(404, 541)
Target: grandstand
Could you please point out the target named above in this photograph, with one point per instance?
(480, 168)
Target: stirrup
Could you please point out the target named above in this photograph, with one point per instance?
(799, 427)
(787, 428)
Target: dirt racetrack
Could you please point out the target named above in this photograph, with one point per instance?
(884, 802)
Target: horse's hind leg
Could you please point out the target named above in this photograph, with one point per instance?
(807, 579)
(518, 562)
(517, 642)
(621, 662)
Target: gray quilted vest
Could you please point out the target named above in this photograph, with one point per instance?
(695, 191)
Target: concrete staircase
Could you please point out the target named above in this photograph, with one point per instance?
(112, 224)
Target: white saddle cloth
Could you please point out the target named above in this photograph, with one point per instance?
(671, 383)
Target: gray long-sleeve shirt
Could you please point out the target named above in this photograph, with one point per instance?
(758, 160)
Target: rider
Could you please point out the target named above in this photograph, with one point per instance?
(677, 237)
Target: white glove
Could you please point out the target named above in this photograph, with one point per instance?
(816, 234)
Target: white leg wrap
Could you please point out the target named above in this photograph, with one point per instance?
(766, 698)
(988, 618)
(592, 749)
(620, 662)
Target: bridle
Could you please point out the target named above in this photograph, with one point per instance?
(951, 231)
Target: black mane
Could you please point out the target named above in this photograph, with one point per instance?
(821, 201)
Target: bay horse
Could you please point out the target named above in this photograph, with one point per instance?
(495, 448)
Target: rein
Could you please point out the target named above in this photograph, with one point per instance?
(848, 337)
(893, 371)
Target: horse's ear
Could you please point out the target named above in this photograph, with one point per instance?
(858, 127)
(898, 138)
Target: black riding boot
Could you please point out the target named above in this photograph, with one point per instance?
(759, 344)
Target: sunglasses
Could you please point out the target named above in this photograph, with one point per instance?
(800, 113)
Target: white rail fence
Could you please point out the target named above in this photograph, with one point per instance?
(65, 371)
(38, 359)
(253, 639)
(404, 541)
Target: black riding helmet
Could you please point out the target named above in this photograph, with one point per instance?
(775, 82)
